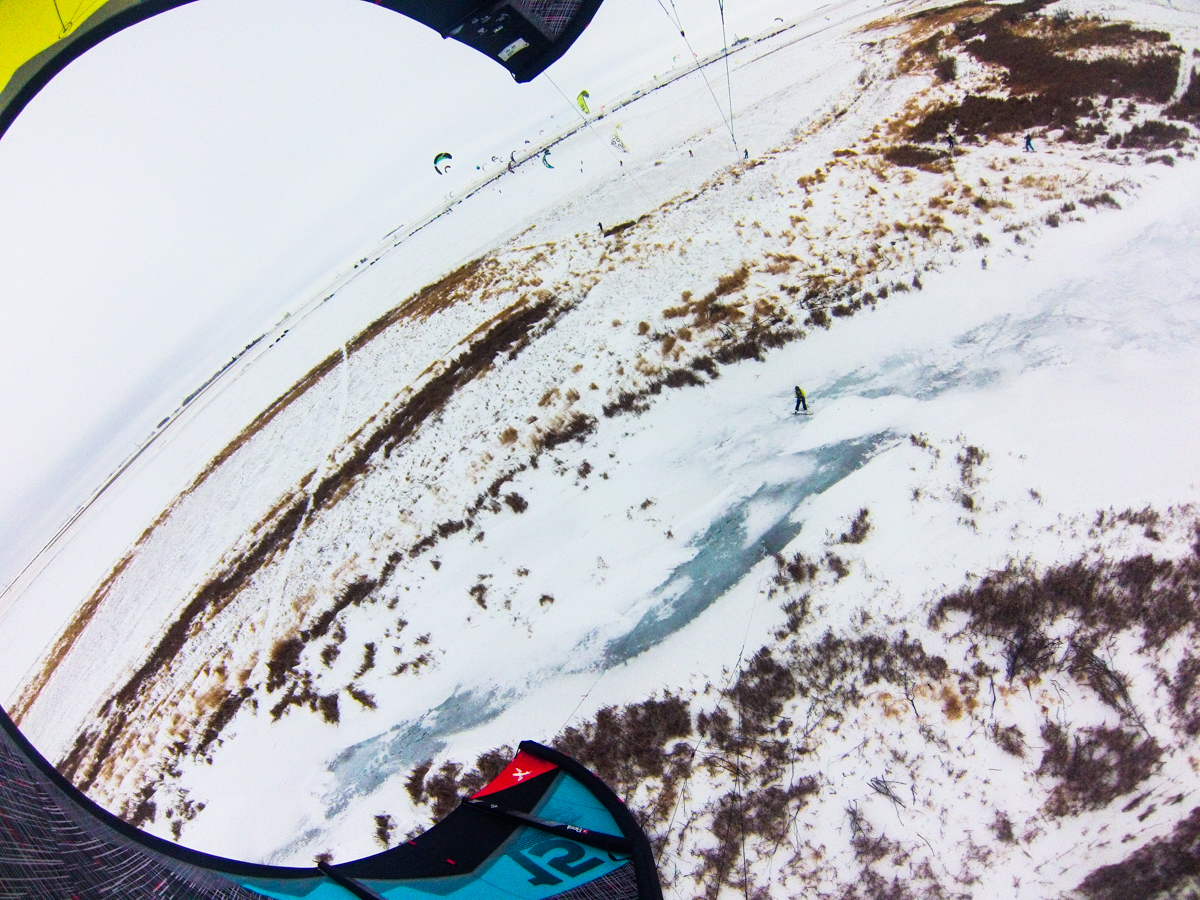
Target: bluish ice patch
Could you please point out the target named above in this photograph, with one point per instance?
(976, 359)
(724, 554)
(365, 766)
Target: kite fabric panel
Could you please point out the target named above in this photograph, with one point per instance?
(544, 828)
(38, 38)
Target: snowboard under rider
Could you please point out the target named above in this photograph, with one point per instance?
(800, 401)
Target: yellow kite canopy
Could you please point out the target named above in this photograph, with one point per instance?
(38, 38)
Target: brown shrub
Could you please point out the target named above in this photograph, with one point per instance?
(914, 157)
(478, 593)
(797, 570)
(368, 662)
(575, 428)
(1187, 107)
(1159, 598)
(707, 365)
(285, 656)
(627, 401)
(752, 343)
(626, 746)
(859, 528)
(734, 281)
(678, 378)
(1002, 827)
(384, 826)
(415, 784)
(1185, 699)
(1047, 89)
(1098, 766)
(328, 706)
(1010, 740)
(759, 693)
(1153, 134)
(1104, 199)
(1152, 871)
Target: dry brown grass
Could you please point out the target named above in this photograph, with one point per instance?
(472, 278)
(912, 156)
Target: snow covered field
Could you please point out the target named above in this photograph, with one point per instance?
(567, 478)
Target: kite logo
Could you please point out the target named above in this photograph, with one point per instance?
(572, 861)
(513, 49)
(524, 768)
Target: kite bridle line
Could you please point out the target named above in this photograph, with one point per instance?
(728, 82)
(678, 23)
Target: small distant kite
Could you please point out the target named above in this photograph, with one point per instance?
(546, 160)
(582, 100)
(617, 142)
(439, 160)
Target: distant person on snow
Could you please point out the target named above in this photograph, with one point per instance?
(950, 142)
(1029, 143)
(800, 401)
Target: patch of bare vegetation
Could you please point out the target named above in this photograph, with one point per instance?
(443, 790)
(1163, 867)
(724, 781)
(1094, 766)
(1043, 620)
(917, 157)
(859, 528)
(507, 334)
(1049, 82)
(1187, 107)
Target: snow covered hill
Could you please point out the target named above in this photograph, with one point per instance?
(560, 492)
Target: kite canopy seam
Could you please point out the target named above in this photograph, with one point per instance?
(523, 36)
(545, 827)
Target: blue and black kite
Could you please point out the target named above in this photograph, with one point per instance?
(545, 828)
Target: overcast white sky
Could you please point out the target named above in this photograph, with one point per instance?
(171, 193)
